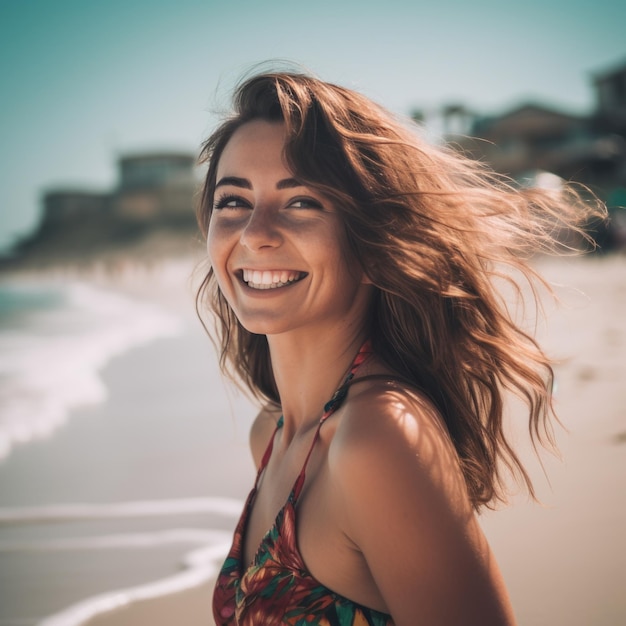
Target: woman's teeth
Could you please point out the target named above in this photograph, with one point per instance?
(258, 279)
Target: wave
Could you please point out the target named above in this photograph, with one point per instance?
(198, 566)
(54, 342)
(229, 507)
(201, 566)
(127, 541)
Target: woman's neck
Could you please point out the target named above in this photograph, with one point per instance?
(308, 369)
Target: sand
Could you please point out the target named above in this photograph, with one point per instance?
(563, 561)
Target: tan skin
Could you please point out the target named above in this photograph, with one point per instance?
(384, 518)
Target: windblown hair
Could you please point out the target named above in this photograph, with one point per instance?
(433, 231)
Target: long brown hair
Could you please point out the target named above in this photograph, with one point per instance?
(433, 231)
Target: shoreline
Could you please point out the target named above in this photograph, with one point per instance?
(168, 424)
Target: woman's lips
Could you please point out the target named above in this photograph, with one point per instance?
(270, 279)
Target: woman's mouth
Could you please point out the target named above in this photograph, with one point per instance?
(271, 279)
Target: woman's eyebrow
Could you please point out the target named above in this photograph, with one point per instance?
(244, 183)
(234, 181)
(288, 183)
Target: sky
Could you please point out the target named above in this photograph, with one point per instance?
(82, 83)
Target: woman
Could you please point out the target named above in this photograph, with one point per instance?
(352, 270)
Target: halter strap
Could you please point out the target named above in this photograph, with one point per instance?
(270, 447)
(329, 408)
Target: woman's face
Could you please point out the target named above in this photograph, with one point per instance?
(278, 248)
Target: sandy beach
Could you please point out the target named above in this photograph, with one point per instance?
(171, 438)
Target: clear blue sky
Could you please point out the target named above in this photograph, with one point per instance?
(82, 82)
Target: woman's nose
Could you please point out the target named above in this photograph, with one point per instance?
(261, 230)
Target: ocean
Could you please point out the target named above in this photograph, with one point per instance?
(114, 422)
(54, 340)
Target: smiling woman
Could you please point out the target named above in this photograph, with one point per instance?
(352, 277)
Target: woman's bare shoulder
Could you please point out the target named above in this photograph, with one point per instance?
(394, 435)
(386, 420)
(405, 508)
(263, 427)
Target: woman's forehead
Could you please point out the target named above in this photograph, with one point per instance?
(254, 142)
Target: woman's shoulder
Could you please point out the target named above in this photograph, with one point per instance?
(402, 501)
(262, 429)
(393, 431)
(384, 410)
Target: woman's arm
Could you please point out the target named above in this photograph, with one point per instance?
(408, 512)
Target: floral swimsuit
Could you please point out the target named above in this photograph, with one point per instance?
(277, 588)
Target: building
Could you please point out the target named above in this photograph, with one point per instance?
(152, 188)
(610, 89)
(590, 149)
(155, 192)
(67, 205)
(535, 144)
(157, 186)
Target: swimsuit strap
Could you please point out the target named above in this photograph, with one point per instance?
(268, 450)
(329, 408)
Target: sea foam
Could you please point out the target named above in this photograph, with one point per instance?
(54, 342)
(201, 566)
(197, 566)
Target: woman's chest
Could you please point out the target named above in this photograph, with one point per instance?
(284, 480)
(311, 531)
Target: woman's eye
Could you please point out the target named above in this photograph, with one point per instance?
(230, 202)
(305, 203)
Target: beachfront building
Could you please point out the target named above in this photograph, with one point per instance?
(610, 88)
(64, 205)
(156, 186)
(530, 138)
(533, 140)
(589, 149)
(152, 188)
(155, 193)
